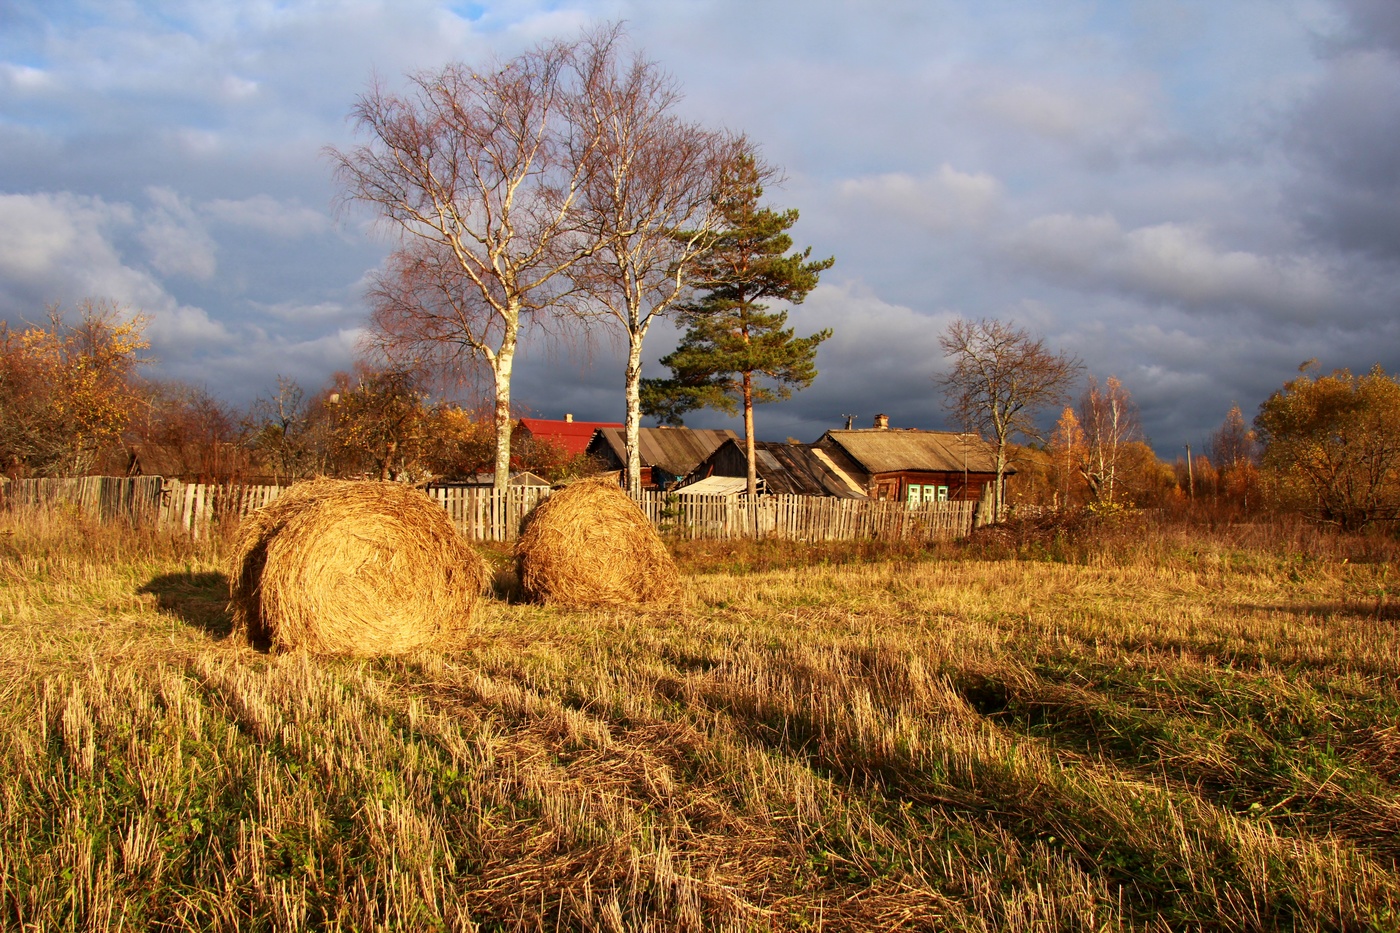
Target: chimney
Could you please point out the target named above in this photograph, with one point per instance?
(882, 422)
(569, 419)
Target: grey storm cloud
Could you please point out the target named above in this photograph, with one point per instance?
(1348, 146)
(1172, 264)
(1371, 24)
(1193, 213)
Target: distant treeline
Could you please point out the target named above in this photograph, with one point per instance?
(73, 402)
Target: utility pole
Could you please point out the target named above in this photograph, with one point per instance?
(1190, 473)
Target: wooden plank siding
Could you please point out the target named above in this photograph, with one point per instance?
(199, 509)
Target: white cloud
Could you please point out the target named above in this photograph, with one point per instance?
(1173, 263)
(239, 89)
(185, 330)
(38, 231)
(1068, 115)
(55, 247)
(299, 312)
(266, 214)
(260, 358)
(196, 143)
(940, 202)
(863, 324)
(175, 237)
(24, 78)
(881, 356)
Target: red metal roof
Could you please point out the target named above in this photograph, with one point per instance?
(573, 436)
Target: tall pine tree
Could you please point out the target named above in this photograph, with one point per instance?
(735, 352)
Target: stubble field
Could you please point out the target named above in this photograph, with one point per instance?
(1171, 733)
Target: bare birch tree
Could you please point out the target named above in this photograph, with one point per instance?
(1001, 377)
(1110, 421)
(652, 196)
(480, 172)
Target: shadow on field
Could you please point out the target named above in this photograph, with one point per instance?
(1374, 609)
(200, 599)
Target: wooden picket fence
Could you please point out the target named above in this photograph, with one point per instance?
(137, 499)
(806, 518)
(484, 515)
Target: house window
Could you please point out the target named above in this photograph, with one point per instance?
(917, 494)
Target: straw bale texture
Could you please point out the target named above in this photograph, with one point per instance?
(590, 545)
(341, 567)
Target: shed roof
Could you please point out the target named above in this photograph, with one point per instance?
(675, 450)
(884, 451)
(797, 470)
(573, 436)
(715, 486)
(783, 469)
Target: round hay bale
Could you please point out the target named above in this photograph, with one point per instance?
(340, 567)
(590, 545)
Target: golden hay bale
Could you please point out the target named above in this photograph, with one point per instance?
(341, 567)
(590, 545)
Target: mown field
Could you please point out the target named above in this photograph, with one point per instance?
(1167, 732)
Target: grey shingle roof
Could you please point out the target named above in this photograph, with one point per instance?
(675, 450)
(783, 469)
(797, 470)
(886, 451)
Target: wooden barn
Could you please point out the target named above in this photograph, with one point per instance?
(912, 465)
(667, 453)
(783, 470)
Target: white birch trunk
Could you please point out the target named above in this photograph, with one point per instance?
(503, 365)
(633, 440)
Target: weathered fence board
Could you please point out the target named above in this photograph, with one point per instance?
(137, 499)
(484, 515)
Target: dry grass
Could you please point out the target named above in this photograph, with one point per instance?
(1202, 741)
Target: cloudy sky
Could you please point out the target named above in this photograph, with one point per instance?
(1191, 195)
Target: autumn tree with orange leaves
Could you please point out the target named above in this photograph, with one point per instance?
(66, 389)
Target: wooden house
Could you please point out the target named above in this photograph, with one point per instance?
(912, 465)
(667, 453)
(783, 469)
